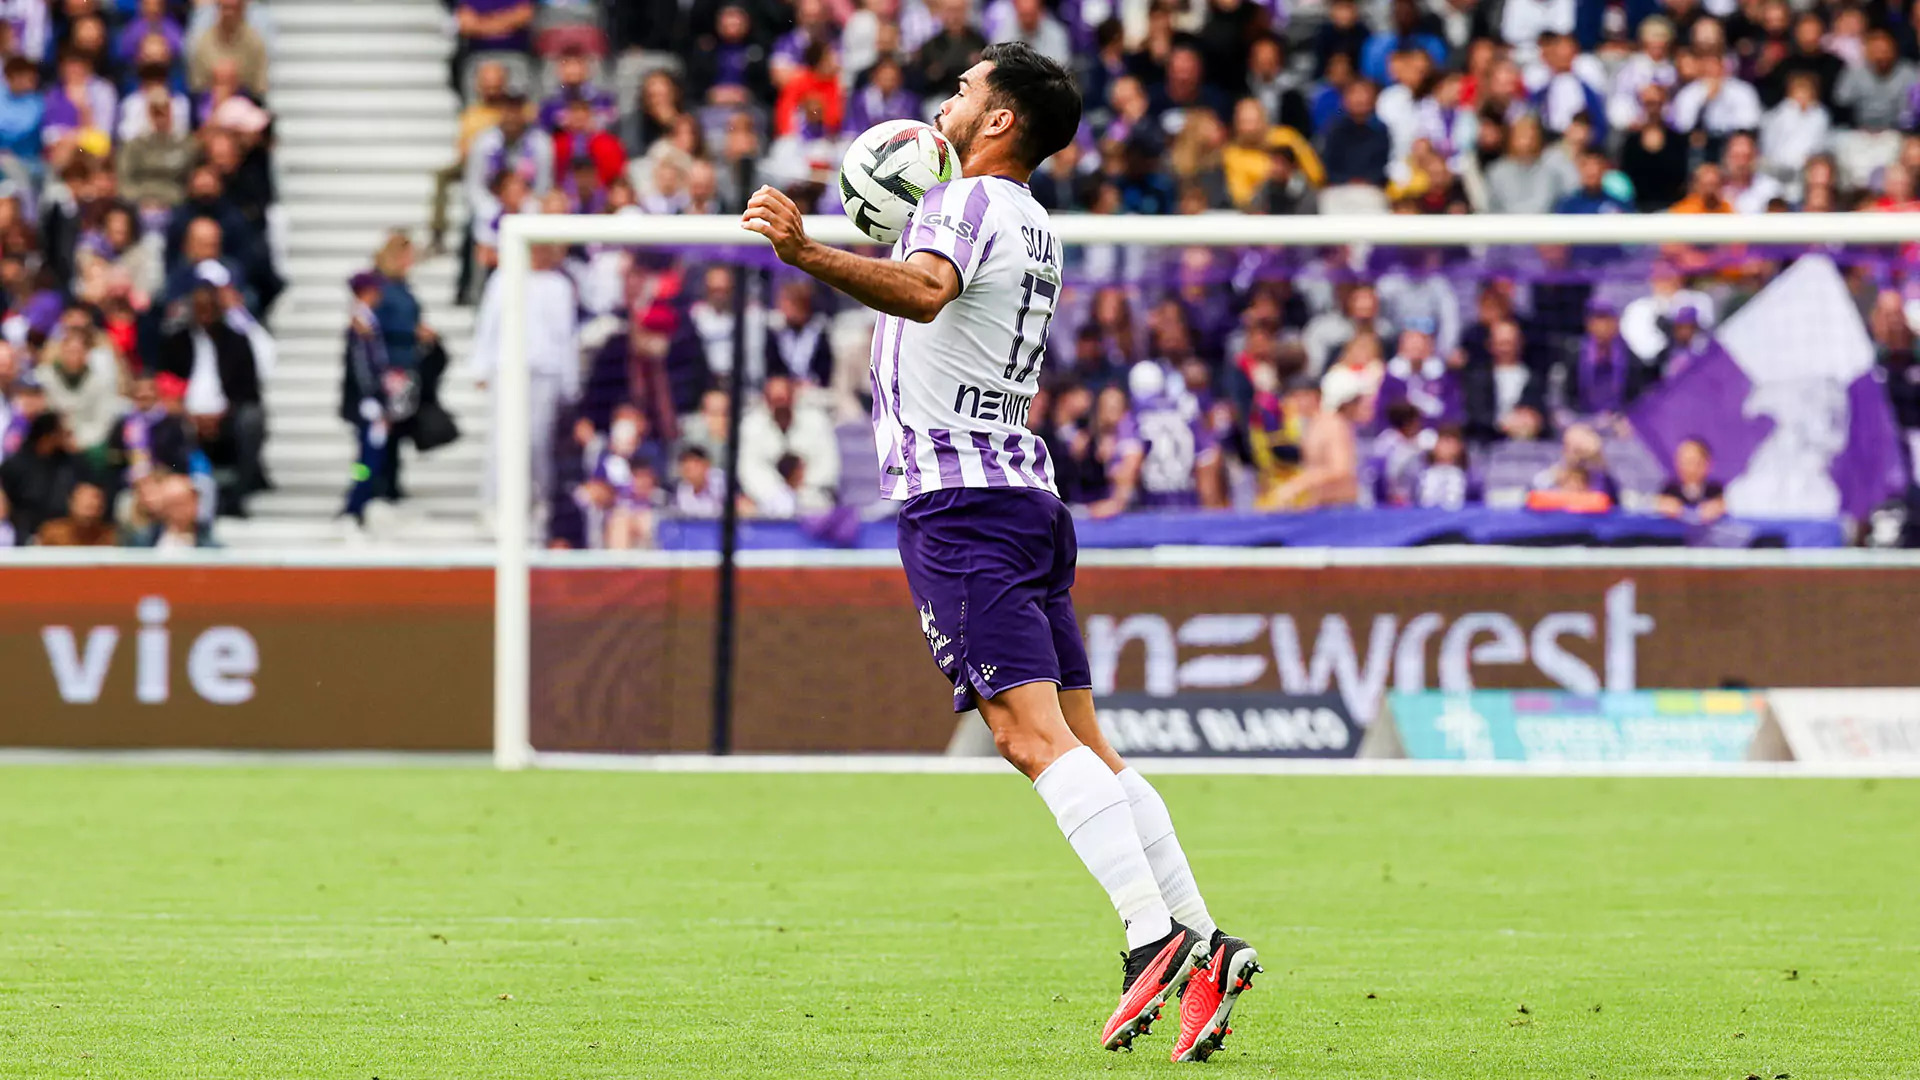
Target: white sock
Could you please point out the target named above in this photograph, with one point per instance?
(1092, 810)
(1170, 869)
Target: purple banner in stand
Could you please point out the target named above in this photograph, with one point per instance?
(1787, 395)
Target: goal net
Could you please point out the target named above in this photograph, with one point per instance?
(692, 554)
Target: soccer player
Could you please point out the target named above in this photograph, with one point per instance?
(988, 546)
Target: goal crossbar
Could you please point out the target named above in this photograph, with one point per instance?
(512, 576)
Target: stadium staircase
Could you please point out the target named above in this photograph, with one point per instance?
(364, 117)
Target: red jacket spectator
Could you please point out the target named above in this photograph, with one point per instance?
(606, 153)
(810, 85)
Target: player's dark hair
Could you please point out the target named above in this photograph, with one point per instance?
(1044, 100)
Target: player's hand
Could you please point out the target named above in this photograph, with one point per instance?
(774, 216)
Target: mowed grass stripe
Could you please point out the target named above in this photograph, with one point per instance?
(179, 922)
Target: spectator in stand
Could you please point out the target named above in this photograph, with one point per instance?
(80, 108)
(1417, 293)
(1693, 494)
(515, 146)
(1796, 128)
(1505, 399)
(1523, 181)
(153, 166)
(1445, 483)
(372, 394)
(1524, 22)
(224, 378)
(1186, 88)
(231, 38)
(151, 434)
(1875, 95)
(1420, 377)
(1807, 55)
(811, 25)
(884, 97)
(1592, 196)
(702, 489)
(85, 524)
(153, 79)
(1652, 66)
(81, 378)
(178, 525)
(946, 55)
(1562, 91)
(1287, 189)
(483, 111)
(1395, 458)
(152, 18)
(1341, 34)
(1716, 102)
(1706, 194)
(1356, 148)
(1032, 25)
(485, 26)
(39, 477)
(573, 73)
(1601, 381)
(553, 360)
(1398, 107)
(1583, 460)
(1165, 455)
(1654, 156)
(784, 427)
(659, 105)
(707, 428)
(798, 344)
(814, 89)
(200, 245)
(1276, 89)
(232, 142)
(1745, 188)
(579, 140)
(729, 66)
(1405, 32)
(1329, 472)
(22, 115)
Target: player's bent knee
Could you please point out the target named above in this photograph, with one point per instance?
(1028, 729)
(1077, 707)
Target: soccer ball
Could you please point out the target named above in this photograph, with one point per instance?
(887, 169)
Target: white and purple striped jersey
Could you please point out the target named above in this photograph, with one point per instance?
(950, 397)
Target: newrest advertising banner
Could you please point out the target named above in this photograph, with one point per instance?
(1670, 726)
(246, 657)
(832, 659)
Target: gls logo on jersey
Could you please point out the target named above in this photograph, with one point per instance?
(958, 226)
(993, 406)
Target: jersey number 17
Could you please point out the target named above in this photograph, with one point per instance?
(1033, 285)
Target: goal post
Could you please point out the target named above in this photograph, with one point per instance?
(513, 743)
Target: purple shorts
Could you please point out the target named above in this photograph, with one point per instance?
(990, 571)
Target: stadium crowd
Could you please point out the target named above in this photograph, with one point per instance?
(137, 208)
(1259, 380)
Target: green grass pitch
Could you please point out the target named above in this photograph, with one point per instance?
(444, 924)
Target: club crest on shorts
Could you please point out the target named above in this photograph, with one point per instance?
(935, 639)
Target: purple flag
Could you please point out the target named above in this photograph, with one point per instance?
(1789, 399)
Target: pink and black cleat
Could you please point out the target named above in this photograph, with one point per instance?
(1207, 1002)
(1153, 973)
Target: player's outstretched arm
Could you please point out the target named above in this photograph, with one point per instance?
(914, 289)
